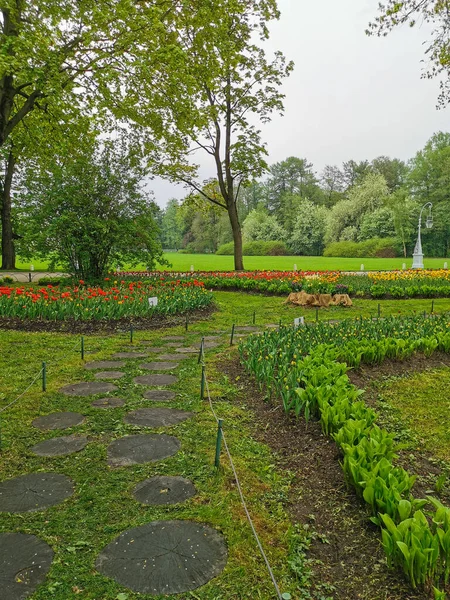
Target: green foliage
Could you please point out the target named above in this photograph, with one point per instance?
(375, 247)
(256, 249)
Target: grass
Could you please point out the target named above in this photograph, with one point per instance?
(211, 262)
(102, 506)
(423, 403)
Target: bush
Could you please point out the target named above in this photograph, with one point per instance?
(256, 249)
(375, 247)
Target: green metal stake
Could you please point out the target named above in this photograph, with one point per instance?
(202, 384)
(201, 353)
(82, 348)
(280, 324)
(379, 310)
(131, 334)
(187, 323)
(44, 377)
(317, 315)
(232, 334)
(218, 443)
(254, 317)
(432, 307)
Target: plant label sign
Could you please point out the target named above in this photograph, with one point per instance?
(153, 301)
(299, 321)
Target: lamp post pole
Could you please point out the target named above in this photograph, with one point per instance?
(418, 253)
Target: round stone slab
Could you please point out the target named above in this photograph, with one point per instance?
(108, 403)
(156, 379)
(164, 490)
(109, 375)
(172, 356)
(88, 388)
(140, 449)
(164, 557)
(174, 338)
(156, 417)
(59, 420)
(24, 563)
(211, 345)
(159, 395)
(188, 350)
(60, 446)
(130, 355)
(159, 366)
(36, 491)
(104, 364)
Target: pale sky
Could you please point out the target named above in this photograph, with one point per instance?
(350, 96)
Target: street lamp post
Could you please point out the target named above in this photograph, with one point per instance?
(418, 253)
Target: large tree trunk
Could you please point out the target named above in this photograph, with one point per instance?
(8, 252)
(237, 237)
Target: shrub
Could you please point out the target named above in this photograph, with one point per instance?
(375, 247)
(256, 249)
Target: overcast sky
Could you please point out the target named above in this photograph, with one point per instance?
(350, 96)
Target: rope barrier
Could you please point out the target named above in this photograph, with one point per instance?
(241, 494)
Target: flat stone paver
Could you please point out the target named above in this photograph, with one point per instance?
(156, 379)
(159, 395)
(164, 490)
(172, 345)
(210, 345)
(109, 375)
(104, 364)
(164, 557)
(159, 366)
(152, 349)
(247, 328)
(130, 355)
(88, 388)
(36, 491)
(140, 449)
(108, 402)
(24, 563)
(172, 356)
(174, 338)
(58, 420)
(188, 350)
(59, 446)
(156, 417)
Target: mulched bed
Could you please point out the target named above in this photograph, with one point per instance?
(105, 326)
(346, 552)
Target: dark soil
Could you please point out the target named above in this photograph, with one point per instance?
(346, 549)
(106, 325)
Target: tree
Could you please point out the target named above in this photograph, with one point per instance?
(395, 13)
(222, 78)
(308, 233)
(171, 227)
(354, 172)
(89, 212)
(293, 176)
(332, 181)
(393, 170)
(260, 226)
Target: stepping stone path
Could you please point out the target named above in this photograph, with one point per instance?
(164, 557)
(159, 395)
(156, 417)
(159, 366)
(174, 338)
(60, 446)
(164, 490)
(140, 449)
(60, 420)
(130, 355)
(108, 403)
(109, 375)
(156, 379)
(88, 388)
(104, 364)
(24, 563)
(172, 344)
(36, 491)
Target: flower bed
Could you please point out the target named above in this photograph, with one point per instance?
(306, 375)
(113, 301)
(376, 285)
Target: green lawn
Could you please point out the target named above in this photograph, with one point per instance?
(211, 262)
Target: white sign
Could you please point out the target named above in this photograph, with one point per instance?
(153, 301)
(31, 267)
(445, 265)
(192, 268)
(404, 266)
(295, 267)
(362, 267)
(299, 321)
